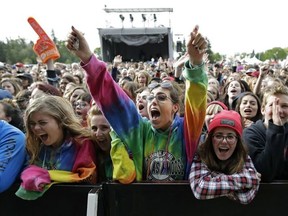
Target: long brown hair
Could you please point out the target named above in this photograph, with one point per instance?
(232, 165)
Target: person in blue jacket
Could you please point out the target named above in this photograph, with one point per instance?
(12, 154)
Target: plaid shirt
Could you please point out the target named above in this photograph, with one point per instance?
(208, 184)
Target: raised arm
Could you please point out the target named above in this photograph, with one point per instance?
(117, 107)
(262, 75)
(195, 94)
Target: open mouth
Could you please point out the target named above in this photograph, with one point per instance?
(43, 137)
(247, 111)
(223, 149)
(140, 107)
(155, 114)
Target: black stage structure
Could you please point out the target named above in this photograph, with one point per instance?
(136, 43)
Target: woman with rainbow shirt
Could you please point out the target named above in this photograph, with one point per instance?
(59, 149)
(162, 148)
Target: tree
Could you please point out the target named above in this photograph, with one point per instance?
(53, 37)
(2, 52)
(18, 50)
(276, 53)
(65, 55)
(98, 51)
(213, 57)
(252, 54)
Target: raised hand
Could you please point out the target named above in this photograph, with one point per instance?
(78, 45)
(263, 71)
(276, 113)
(117, 60)
(206, 58)
(181, 61)
(196, 46)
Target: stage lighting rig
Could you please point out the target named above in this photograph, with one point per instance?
(122, 17)
(144, 17)
(154, 17)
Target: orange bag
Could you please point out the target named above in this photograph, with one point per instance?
(44, 47)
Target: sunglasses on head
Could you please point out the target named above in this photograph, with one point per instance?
(166, 85)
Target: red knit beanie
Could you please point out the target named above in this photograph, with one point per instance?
(227, 118)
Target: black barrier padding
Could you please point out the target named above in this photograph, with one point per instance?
(59, 200)
(142, 199)
(173, 199)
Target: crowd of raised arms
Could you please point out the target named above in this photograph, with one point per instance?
(221, 127)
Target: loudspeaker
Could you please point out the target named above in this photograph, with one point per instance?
(178, 46)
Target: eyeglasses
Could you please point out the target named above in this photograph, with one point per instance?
(81, 104)
(167, 85)
(229, 138)
(159, 97)
(143, 97)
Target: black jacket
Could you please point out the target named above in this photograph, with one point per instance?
(268, 149)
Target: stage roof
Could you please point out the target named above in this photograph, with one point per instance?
(133, 31)
(137, 10)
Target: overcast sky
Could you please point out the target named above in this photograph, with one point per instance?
(231, 25)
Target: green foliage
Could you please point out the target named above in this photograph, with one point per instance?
(216, 57)
(213, 57)
(65, 55)
(18, 50)
(54, 37)
(2, 52)
(275, 53)
(98, 51)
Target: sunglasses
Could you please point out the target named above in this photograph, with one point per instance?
(159, 97)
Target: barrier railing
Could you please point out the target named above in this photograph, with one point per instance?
(177, 199)
(112, 199)
(59, 200)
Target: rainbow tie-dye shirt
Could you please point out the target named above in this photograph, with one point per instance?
(154, 158)
(72, 163)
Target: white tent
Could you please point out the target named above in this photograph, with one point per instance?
(252, 60)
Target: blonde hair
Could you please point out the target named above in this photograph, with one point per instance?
(273, 90)
(14, 83)
(61, 110)
(146, 74)
(210, 97)
(213, 109)
(93, 111)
